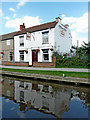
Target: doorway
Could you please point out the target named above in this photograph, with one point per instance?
(34, 56)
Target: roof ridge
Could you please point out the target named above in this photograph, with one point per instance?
(31, 29)
(41, 24)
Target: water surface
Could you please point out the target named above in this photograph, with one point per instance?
(34, 99)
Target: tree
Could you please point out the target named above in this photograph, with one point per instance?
(83, 51)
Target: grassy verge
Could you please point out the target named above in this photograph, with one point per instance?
(57, 73)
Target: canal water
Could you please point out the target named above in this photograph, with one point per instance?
(23, 98)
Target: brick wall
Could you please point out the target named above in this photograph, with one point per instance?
(54, 59)
(15, 63)
(44, 64)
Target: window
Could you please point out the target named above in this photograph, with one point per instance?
(45, 37)
(8, 42)
(2, 56)
(21, 84)
(21, 41)
(8, 93)
(11, 56)
(10, 81)
(21, 55)
(45, 55)
(21, 95)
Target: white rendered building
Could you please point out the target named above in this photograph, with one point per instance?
(37, 43)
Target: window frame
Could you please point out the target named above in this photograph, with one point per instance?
(21, 44)
(8, 42)
(10, 55)
(45, 53)
(44, 37)
(21, 51)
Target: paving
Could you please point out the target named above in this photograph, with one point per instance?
(50, 69)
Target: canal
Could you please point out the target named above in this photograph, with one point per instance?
(23, 98)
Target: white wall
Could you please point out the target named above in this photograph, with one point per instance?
(32, 45)
(63, 44)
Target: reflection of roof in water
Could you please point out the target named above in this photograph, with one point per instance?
(27, 106)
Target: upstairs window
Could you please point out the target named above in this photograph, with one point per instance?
(21, 41)
(8, 42)
(45, 39)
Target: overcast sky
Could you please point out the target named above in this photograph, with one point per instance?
(33, 13)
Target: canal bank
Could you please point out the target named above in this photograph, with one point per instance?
(47, 78)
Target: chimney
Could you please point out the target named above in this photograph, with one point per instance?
(66, 26)
(58, 19)
(22, 26)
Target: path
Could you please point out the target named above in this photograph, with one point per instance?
(51, 69)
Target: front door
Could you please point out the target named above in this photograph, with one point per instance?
(34, 56)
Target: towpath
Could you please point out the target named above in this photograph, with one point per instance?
(50, 69)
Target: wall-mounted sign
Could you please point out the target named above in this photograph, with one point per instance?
(62, 32)
(28, 36)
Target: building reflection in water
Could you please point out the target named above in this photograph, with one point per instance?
(43, 97)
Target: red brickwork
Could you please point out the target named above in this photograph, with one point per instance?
(54, 59)
(44, 64)
(15, 63)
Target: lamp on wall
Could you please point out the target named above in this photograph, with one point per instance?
(26, 51)
(51, 49)
(37, 50)
(11, 51)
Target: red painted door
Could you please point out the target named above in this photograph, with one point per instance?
(34, 56)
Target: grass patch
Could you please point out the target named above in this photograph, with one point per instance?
(45, 72)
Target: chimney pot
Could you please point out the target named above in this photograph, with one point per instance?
(57, 19)
(66, 25)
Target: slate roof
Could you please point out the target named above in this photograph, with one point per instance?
(30, 29)
(37, 28)
(7, 36)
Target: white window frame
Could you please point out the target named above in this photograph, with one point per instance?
(21, 38)
(21, 55)
(45, 37)
(43, 53)
(8, 42)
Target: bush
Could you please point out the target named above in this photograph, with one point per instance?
(73, 62)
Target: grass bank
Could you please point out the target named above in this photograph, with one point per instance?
(45, 72)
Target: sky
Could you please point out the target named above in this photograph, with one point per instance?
(12, 14)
